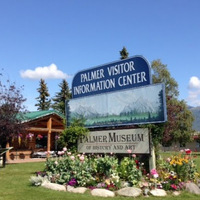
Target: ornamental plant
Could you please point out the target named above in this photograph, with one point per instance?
(106, 166)
(178, 169)
(129, 170)
(68, 168)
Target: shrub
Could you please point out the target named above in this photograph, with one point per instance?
(129, 170)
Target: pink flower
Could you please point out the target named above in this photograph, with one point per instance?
(57, 137)
(145, 184)
(81, 158)
(181, 150)
(72, 157)
(69, 153)
(134, 156)
(64, 149)
(30, 135)
(129, 150)
(154, 173)
(168, 160)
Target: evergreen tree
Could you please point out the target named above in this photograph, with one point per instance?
(43, 99)
(124, 53)
(61, 97)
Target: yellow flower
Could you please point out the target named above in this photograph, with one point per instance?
(172, 162)
(179, 163)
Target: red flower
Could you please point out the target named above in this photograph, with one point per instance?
(188, 151)
(137, 164)
(39, 136)
(173, 186)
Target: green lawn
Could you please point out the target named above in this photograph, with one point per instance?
(14, 185)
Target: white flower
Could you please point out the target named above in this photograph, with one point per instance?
(64, 149)
(56, 162)
(155, 175)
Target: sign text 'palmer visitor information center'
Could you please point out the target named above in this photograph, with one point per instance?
(129, 73)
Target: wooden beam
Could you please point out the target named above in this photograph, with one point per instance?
(36, 129)
(49, 126)
(57, 130)
(7, 153)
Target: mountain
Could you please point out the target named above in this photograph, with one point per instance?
(140, 106)
(196, 113)
(85, 111)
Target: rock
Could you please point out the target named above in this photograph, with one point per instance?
(129, 192)
(70, 188)
(53, 186)
(102, 193)
(158, 192)
(125, 184)
(192, 188)
(176, 193)
(198, 183)
(146, 191)
(79, 190)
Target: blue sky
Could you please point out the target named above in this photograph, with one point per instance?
(62, 37)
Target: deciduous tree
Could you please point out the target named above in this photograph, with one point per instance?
(70, 135)
(11, 107)
(178, 127)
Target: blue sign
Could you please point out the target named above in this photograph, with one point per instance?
(123, 74)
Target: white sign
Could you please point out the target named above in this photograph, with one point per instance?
(115, 141)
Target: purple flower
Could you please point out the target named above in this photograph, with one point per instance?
(72, 182)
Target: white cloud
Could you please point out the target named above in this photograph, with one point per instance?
(194, 83)
(194, 91)
(46, 72)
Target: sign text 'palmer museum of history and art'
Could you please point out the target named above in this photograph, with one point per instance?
(116, 141)
(123, 74)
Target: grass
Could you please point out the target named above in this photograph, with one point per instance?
(15, 185)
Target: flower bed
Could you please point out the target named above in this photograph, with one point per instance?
(107, 171)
